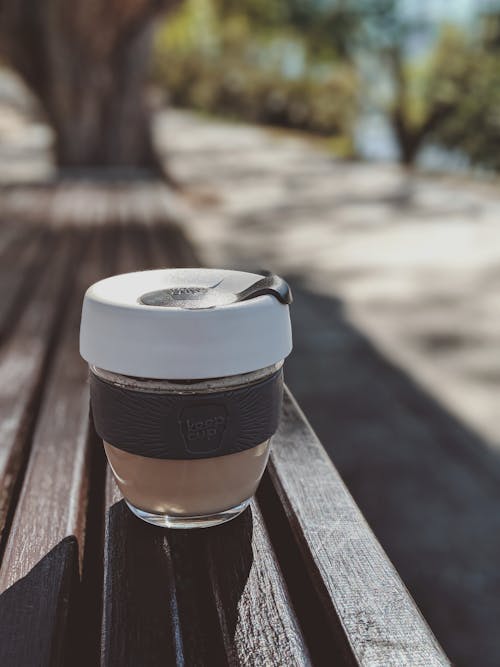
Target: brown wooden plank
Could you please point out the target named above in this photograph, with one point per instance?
(10, 235)
(140, 617)
(58, 451)
(354, 579)
(233, 604)
(256, 619)
(258, 624)
(140, 623)
(173, 240)
(168, 246)
(332, 635)
(158, 258)
(48, 527)
(195, 597)
(24, 639)
(23, 360)
(20, 264)
(191, 597)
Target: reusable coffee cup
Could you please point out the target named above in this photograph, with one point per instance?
(186, 385)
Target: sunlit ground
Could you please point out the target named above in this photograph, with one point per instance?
(416, 259)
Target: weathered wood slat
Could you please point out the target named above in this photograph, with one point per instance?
(10, 236)
(55, 487)
(23, 641)
(224, 596)
(258, 623)
(140, 617)
(156, 253)
(140, 622)
(351, 574)
(233, 605)
(177, 246)
(19, 270)
(22, 363)
(198, 598)
(141, 609)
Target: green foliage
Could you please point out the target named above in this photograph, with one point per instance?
(296, 63)
(328, 28)
(466, 74)
(451, 99)
(427, 93)
(247, 60)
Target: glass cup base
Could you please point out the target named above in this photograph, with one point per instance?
(186, 522)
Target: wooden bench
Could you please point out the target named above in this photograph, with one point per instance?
(298, 579)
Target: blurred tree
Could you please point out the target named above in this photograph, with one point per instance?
(474, 127)
(452, 97)
(344, 31)
(248, 60)
(299, 63)
(426, 94)
(86, 61)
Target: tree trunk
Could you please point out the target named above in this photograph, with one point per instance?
(98, 110)
(409, 140)
(87, 62)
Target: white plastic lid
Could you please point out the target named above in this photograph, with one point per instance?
(199, 330)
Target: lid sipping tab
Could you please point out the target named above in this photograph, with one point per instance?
(270, 284)
(219, 294)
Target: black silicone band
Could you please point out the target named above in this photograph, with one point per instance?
(186, 426)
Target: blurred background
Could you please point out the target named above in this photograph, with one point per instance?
(350, 145)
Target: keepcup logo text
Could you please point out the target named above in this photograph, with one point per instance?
(202, 427)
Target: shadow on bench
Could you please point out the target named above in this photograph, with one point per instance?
(299, 579)
(428, 485)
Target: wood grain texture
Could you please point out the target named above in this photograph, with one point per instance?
(355, 580)
(140, 622)
(195, 597)
(23, 361)
(34, 607)
(11, 234)
(55, 481)
(230, 595)
(206, 597)
(21, 262)
(55, 487)
(145, 602)
(258, 623)
(140, 618)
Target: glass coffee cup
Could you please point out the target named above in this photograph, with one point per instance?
(186, 383)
